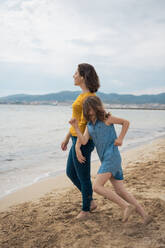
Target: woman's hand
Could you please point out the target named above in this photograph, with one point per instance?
(79, 155)
(118, 142)
(65, 142)
(64, 145)
(74, 122)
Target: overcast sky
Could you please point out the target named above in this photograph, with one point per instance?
(42, 41)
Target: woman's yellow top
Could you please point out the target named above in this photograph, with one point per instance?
(77, 112)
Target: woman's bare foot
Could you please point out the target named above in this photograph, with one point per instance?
(127, 212)
(147, 220)
(93, 205)
(83, 215)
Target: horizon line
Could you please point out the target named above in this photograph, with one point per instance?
(41, 94)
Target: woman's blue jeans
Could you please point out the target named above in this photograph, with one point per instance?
(79, 173)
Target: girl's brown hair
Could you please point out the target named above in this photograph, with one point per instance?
(94, 102)
(88, 72)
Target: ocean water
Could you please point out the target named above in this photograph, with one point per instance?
(30, 139)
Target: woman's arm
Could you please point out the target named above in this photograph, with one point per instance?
(65, 142)
(125, 125)
(82, 138)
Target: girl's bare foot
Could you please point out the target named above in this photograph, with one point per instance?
(127, 212)
(83, 215)
(147, 220)
(93, 205)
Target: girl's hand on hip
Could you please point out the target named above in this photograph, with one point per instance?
(118, 142)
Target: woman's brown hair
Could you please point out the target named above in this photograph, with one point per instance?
(94, 102)
(88, 72)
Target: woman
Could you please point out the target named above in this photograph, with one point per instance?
(87, 79)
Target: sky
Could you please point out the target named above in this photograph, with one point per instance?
(43, 41)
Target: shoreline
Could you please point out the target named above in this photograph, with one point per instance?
(62, 172)
(61, 104)
(61, 183)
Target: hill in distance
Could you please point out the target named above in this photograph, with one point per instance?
(70, 96)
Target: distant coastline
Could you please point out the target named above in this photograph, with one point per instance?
(111, 100)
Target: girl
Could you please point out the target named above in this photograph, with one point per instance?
(87, 79)
(100, 127)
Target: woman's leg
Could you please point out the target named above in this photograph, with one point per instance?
(80, 174)
(83, 173)
(70, 169)
(99, 188)
(122, 192)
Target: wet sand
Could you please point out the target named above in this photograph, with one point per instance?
(45, 212)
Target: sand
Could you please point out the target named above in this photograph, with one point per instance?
(45, 212)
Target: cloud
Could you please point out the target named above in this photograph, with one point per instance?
(53, 36)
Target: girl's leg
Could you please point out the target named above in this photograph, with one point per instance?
(122, 192)
(99, 188)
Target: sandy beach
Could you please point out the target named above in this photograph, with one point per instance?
(43, 215)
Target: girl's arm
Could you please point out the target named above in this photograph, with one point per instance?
(79, 155)
(82, 138)
(125, 126)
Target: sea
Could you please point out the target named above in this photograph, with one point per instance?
(31, 136)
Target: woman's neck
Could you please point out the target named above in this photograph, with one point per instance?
(84, 89)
